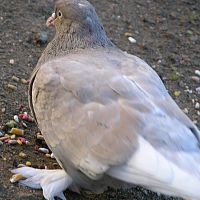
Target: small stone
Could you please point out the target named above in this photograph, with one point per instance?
(12, 61)
(14, 78)
(40, 137)
(185, 110)
(177, 93)
(189, 32)
(3, 110)
(198, 90)
(43, 37)
(132, 40)
(1, 134)
(28, 143)
(12, 87)
(1, 143)
(197, 72)
(22, 155)
(198, 113)
(197, 105)
(196, 79)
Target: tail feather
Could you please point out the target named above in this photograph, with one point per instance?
(53, 182)
(149, 168)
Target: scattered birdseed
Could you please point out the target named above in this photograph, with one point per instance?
(28, 164)
(16, 118)
(17, 131)
(14, 78)
(43, 150)
(12, 61)
(24, 81)
(12, 87)
(177, 93)
(11, 124)
(12, 142)
(132, 40)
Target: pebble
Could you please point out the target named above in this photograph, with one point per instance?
(195, 78)
(132, 40)
(17, 131)
(1, 134)
(16, 118)
(198, 113)
(27, 143)
(12, 61)
(14, 78)
(12, 87)
(1, 143)
(22, 155)
(185, 110)
(40, 137)
(197, 105)
(43, 150)
(28, 163)
(42, 37)
(198, 90)
(3, 110)
(197, 72)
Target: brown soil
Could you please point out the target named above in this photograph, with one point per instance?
(168, 38)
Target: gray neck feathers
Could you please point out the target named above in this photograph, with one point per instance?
(73, 37)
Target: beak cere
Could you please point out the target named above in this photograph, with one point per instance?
(50, 20)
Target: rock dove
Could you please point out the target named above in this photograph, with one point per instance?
(106, 115)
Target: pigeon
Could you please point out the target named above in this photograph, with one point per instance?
(106, 115)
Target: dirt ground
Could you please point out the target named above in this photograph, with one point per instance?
(167, 35)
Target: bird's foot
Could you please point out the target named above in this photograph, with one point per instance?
(52, 182)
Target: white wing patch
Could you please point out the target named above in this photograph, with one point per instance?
(149, 168)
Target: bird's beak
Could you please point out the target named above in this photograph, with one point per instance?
(51, 20)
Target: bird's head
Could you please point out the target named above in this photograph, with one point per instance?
(74, 15)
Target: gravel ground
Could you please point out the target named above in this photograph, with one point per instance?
(167, 35)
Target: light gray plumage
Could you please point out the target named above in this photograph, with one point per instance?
(106, 115)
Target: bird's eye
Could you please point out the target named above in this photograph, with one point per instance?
(59, 13)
